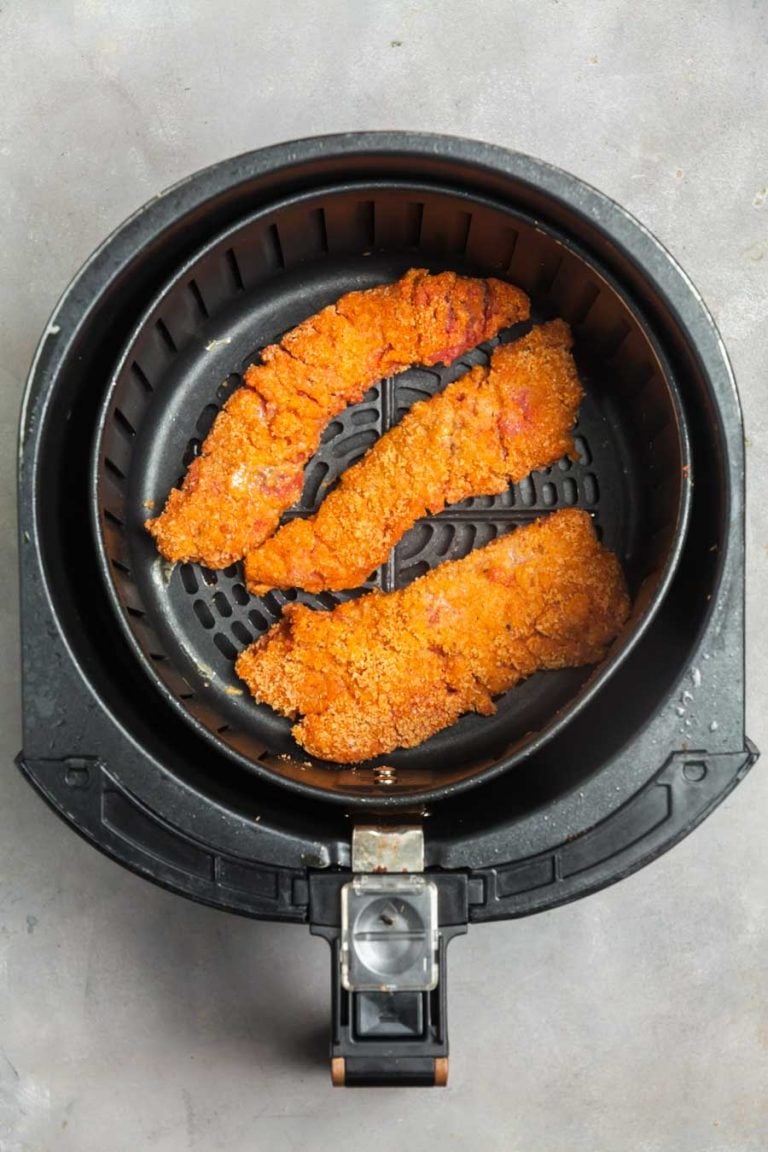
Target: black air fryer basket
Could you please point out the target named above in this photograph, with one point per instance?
(136, 729)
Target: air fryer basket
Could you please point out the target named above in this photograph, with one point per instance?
(245, 288)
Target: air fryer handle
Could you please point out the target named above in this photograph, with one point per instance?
(383, 1038)
(387, 1039)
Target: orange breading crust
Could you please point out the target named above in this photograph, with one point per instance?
(389, 670)
(493, 426)
(252, 462)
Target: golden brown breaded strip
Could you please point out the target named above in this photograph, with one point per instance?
(252, 462)
(493, 426)
(389, 670)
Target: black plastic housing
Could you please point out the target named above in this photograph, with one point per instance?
(636, 768)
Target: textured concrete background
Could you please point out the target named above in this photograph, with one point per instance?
(635, 1020)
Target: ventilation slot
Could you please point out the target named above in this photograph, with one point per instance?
(582, 449)
(589, 488)
(228, 386)
(445, 232)
(464, 228)
(511, 243)
(198, 298)
(226, 647)
(165, 336)
(234, 270)
(223, 606)
(273, 602)
(203, 613)
(351, 447)
(415, 222)
(240, 595)
(241, 633)
(259, 622)
(408, 575)
(364, 416)
(206, 418)
(570, 490)
(276, 244)
(141, 376)
(188, 578)
(113, 468)
(124, 423)
(318, 217)
(194, 448)
(335, 428)
(527, 492)
(549, 280)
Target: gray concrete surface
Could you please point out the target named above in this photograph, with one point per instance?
(635, 1020)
